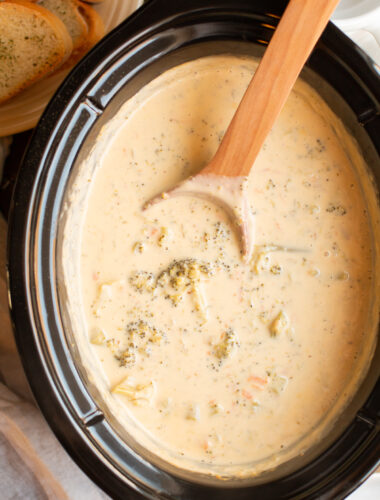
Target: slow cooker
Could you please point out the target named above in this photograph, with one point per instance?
(160, 35)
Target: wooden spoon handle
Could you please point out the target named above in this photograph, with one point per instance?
(298, 31)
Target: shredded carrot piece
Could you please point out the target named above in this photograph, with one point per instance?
(258, 380)
(246, 394)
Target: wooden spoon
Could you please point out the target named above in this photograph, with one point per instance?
(224, 179)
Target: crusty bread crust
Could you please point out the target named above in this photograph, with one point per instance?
(18, 69)
(96, 31)
(68, 12)
(95, 24)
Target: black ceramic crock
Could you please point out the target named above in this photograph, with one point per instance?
(162, 34)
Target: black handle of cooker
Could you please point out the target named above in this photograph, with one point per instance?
(177, 6)
(156, 10)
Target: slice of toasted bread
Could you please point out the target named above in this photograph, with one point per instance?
(96, 31)
(68, 12)
(33, 43)
(95, 24)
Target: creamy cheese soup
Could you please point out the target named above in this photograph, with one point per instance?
(222, 366)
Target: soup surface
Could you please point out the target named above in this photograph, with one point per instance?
(235, 367)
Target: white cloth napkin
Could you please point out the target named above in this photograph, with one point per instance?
(33, 464)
